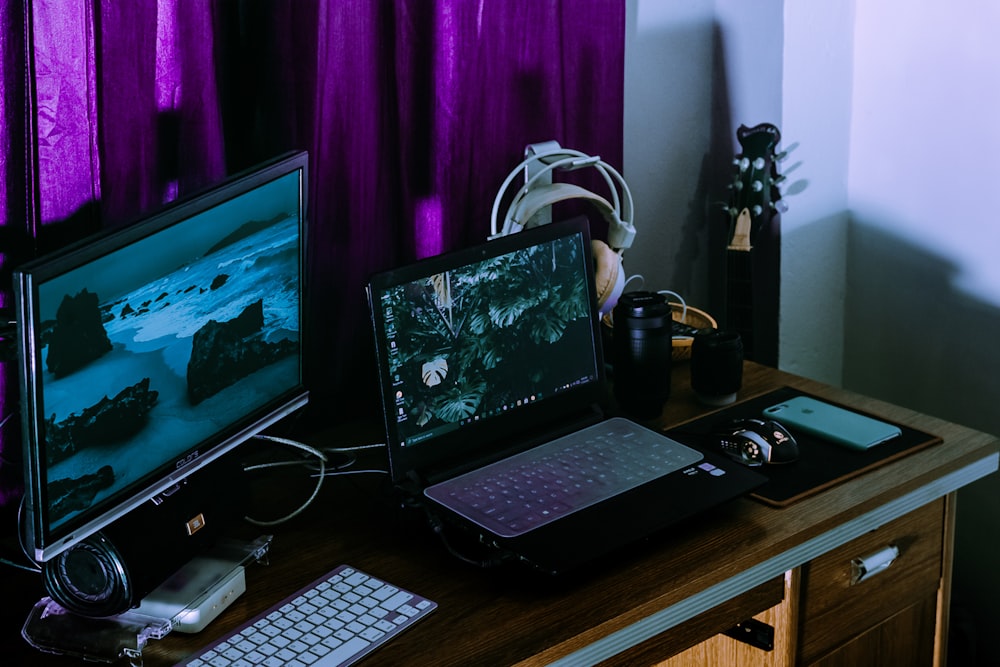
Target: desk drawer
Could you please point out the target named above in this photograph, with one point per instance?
(835, 609)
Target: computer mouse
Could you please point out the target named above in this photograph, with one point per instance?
(755, 442)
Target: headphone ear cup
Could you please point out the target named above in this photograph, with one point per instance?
(609, 277)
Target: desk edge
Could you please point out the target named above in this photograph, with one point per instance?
(712, 596)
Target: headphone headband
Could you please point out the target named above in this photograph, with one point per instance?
(532, 196)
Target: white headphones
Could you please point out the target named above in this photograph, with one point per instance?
(539, 192)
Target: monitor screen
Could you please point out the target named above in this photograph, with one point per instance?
(149, 352)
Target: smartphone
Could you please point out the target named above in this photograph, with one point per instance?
(840, 425)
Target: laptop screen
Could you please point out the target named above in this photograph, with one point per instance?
(484, 344)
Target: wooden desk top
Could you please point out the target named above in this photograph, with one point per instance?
(730, 561)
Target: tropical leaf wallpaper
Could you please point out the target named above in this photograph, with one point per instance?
(470, 340)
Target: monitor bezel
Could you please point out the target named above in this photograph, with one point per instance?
(38, 541)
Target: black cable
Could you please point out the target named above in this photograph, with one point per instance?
(437, 525)
(319, 465)
(20, 541)
(319, 481)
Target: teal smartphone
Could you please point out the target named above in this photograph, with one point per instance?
(840, 425)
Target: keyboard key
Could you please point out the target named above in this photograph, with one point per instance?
(344, 652)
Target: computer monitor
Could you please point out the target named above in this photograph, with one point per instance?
(150, 352)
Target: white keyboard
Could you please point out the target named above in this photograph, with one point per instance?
(336, 620)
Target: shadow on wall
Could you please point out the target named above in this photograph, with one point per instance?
(813, 259)
(912, 338)
(678, 153)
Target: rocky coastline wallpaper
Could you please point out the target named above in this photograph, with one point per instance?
(150, 350)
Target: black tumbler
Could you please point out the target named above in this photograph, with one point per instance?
(643, 344)
(716, 366)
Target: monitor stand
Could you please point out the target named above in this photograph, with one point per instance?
(186, 602)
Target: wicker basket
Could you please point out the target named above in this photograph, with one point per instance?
(691, 316)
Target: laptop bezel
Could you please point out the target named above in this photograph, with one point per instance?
(478, 443)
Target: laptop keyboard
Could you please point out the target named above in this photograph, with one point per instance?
(533, 488)
(336, 620)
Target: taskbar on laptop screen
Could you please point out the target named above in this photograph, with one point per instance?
(402, 417)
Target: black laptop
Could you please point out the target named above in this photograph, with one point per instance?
(493, 381)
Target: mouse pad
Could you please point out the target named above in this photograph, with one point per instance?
(821, 463)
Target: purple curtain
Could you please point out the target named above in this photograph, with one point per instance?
(413, 111)
(15, 193)
(418, 112)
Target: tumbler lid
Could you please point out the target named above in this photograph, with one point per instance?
(718, 339)
(642, 303)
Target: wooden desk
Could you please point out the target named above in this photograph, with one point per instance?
(664, 597)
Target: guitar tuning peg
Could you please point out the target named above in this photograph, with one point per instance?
(780, 156)
(757, 209)
(757, 186)
(778, 179)
(738, 185)
(744, 164)
(759, 163)
(781, 206)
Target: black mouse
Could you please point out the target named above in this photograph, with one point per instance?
(755, 442)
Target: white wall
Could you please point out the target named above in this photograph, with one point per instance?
(923, 293)
(816, 126)
(926, 131)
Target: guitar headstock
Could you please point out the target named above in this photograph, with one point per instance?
(755, 193)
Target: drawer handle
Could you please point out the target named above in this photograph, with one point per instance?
(866, 567)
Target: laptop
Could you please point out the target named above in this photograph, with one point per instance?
(490, 364)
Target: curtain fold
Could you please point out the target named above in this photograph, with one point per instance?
(16, 193)
(421, 110)
(158, 113)
(413, 112)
